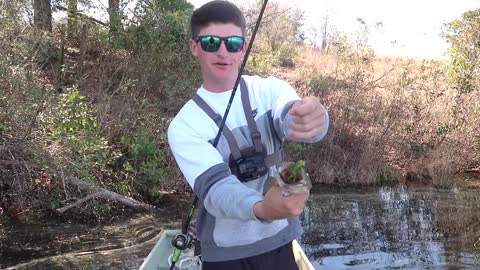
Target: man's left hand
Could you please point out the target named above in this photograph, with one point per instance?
(308, 119)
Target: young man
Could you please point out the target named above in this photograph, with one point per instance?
(242, 222)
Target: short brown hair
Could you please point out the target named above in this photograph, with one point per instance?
(216, 12)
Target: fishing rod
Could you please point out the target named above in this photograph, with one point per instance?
(185, 239)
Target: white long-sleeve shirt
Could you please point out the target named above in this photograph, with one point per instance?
(227, 227)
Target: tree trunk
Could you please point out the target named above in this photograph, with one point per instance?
(42, 15)
(115, 18)
(324, 34)
(72, 18)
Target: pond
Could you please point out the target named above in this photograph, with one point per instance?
(393, 228)
(382, 228)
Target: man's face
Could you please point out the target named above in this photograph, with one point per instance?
(220, 68)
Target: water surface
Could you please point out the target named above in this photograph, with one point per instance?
(383, 228)
(393, 228)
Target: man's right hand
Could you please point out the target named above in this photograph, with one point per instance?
(276, 206)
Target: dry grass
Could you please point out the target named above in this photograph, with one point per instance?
(389, 116)
(394, 112)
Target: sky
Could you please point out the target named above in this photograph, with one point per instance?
(410, 27)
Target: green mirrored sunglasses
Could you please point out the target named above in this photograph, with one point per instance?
(212, 43)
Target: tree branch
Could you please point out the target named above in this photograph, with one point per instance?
(81, 15)
(105, 194)
(77, 203)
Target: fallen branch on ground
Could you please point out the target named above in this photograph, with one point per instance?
(98, 192)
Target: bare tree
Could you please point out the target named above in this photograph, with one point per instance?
(72, 18)
(115, 18)
(42, 15)
(324, 30)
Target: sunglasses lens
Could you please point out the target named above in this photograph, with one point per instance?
(234, 44)
(210, 43)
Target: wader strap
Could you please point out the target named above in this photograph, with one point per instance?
(252, 125)
(218, 120)
(274, 159)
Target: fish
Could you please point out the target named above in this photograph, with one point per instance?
(300, 185)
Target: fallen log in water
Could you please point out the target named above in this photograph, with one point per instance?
(98, 192)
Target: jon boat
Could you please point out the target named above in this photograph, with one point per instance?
(158, 258)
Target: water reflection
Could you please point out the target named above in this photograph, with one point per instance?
(393, 228)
